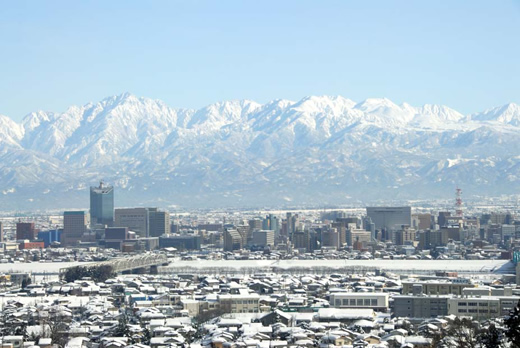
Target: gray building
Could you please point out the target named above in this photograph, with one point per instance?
(180, 242)
(232, 240)
(263, 238)
(159, 222)
(136, 219)
(102, 204)
(75, 225)
(390, 218)
(420, 306)
(146, 222)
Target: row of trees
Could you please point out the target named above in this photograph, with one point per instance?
(98, 274)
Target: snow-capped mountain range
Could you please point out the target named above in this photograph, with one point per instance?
(316, 151)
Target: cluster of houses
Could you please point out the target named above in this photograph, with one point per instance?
(257, 310)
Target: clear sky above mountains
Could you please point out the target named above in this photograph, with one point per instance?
(464, 54)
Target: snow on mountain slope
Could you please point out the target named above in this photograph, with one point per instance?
(507, 114)
(10, 132)
(317, 150)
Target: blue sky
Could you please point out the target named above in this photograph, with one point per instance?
(53, 54)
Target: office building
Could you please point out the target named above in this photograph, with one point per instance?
(404, 236)
(115, 237)
(421, 221)
(420, 306)
(180, 242)
(50, 236)
(370, 226)
(375, 300)
(301, 240)
(102, 204)
(435, 287)
(508, 232)
(442, 219)
(232, 240)
(159, 223)
(390, 218)
(263, 238)
(271, 222)
(136, 219)
(26, 230)
(430, 239)
(342, 233)
(75, 225)
(254, 225)
(330, 238)
(292, 223)
(146, 222)
(482, 307)
(360, 236)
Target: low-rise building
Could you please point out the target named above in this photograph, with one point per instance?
(240, 303)
(376, 301)
(420, 306)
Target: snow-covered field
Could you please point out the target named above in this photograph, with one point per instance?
(37, 267)
(405, 266)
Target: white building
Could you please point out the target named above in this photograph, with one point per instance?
(376, 301)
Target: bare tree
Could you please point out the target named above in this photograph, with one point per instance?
(54, 328)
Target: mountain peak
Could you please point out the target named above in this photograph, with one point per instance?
(371, 104)
(507, 114)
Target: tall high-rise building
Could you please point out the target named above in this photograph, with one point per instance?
(1, 231)
(255, 224)
(232, 240)
(75, 225)
(442, 219)
(330, 238)
(292, 224)
(26, 230)
(301, 240)
(271, 223)
(102, 204)
(159, 222)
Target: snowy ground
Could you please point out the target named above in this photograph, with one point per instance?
(399, 266)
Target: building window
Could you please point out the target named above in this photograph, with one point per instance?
(373, 302)
(359, 302)
(352, 302)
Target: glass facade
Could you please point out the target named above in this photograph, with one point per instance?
(102, 204)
